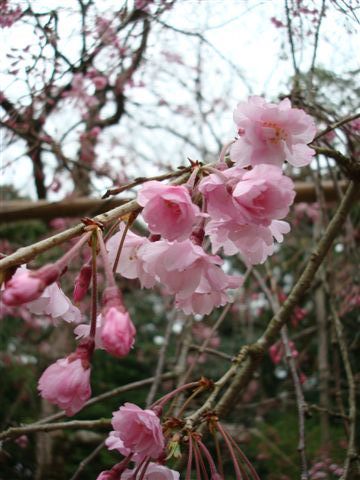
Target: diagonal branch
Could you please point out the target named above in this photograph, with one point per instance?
(251, 358)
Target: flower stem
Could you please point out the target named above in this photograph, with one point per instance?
(105, 258)
(121, 244)
(65, 259)
(161, 401)
(94, 285)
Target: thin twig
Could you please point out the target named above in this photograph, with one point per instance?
(25, 254)
(337, 124)
(112, 393)
(87, 460)
(49, 427)
(161, 361)
(300, 401)
(352, 455)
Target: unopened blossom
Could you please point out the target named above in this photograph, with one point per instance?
(82, 283)
(130, 265)
(272, 133)
(154, 471)
(139, 430)
(26, 286)
(118, 331)
(168, 210)
(66, 383)
(256, 197)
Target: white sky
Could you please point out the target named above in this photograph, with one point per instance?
(240, 29)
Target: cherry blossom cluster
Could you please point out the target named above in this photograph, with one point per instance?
(234, 207)
(240, 208)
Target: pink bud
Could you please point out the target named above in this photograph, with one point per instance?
(26, 286)
(118, 332)
(82, 283)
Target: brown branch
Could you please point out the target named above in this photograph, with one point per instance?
(251, 357)
(272, 297)
(350, 166)
(15, 210)
(48, 427)
(25, 254)
(161, 360)
(337, 124)
(87, 460)
(352, 460)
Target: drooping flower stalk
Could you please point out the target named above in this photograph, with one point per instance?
(109, 273)
(201, 460)
(189, 399)
(190, 457)
(213, 469)
(94, 285)
(242, 456)
(218, 454)
(237, 467)
(197, 462)
(162, 401)
(144, 469)
(63, 262)
(122, 240)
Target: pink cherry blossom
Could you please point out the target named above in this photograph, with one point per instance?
(168, 210)
(179, 266)
(83, 331)
(130, 265)
(206, 297)
(270, 133)
(114, 442)
(118, 332)
(254, 242)
(66, 382)
(140, 430)
(257, 196)
(56, 304)
(154, 471)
